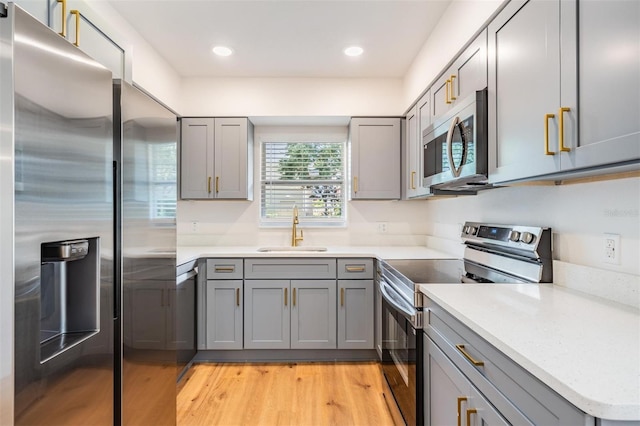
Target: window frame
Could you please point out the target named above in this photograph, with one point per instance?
(328, 135)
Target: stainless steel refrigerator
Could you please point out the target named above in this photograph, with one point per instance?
(89, 234)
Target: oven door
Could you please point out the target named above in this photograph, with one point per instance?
(402, 353)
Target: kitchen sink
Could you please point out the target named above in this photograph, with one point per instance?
(289, 248)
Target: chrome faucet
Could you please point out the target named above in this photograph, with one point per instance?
(294, 229)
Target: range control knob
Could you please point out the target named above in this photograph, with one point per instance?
(472, 230)
(527, 237)
(514, 236)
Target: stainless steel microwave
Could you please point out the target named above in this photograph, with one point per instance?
(455, 147)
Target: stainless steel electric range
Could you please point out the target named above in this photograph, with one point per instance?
(492, 254)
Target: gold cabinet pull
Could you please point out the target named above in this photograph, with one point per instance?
(355, 268)
(413, 183)
(225, 268)
(77, 13)
(342, 296)
(237, 297)
(447, 85)
(547, 117)
(561, 112)
(355, 184)
(461, 399)
(469, 357)
(470, 411)
(217, 184)
(209, 184)
(452, 97)
(286, 296)
(294, 297)
(63, 33)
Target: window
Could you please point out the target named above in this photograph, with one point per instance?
(162, 180)
(309, 175)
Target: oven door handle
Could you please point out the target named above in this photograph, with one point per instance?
(397, 302)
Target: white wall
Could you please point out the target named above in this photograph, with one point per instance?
(456, 27)
(579, 215)
(149, 69)
(292, 96)
(237, 223)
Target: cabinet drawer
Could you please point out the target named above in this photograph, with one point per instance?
(290, 268)
(512, 390)
(224, 269)
(353, 269)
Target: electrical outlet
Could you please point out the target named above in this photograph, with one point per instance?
(611, 253)
(194, 226)
(382, 227)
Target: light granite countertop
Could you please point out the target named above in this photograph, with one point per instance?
(585, 348)
(187, 254)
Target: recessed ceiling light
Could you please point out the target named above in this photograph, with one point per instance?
(222, 51)
(353, 51)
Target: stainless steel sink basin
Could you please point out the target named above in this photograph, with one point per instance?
(288, 248)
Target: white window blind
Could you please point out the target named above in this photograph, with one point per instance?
(309, 175)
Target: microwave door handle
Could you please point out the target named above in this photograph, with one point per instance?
(454, 171)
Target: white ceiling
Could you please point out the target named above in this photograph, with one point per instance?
(285, 38)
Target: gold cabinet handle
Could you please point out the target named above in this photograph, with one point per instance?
(63, 33)
(77, 13)
(547, 117)
(452, 97)
(469, 357)
(286, 296)
(413, 183)
(237, 297)
(355, 184)
(342, 296)
(217, 184)
(294, 297)
(561, 128)
(446, 92)
(209, 184)
(461, 399)
(355, 268)
(470, 411)
(225, 268)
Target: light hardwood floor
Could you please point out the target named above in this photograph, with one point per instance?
(285, 394)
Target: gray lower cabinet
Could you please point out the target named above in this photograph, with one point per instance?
(313, 314)
(290, 314)
(375, 158)
(267, 314)
(465, 374)
(449, 397)
(224, 301)
(355, 314)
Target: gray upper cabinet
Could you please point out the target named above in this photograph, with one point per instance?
(39, 9)
(85, 29)
(267, 314)
(216, 158)
(467, 74)
(524, 90)
(416, 122)
(355, 314)
(313, 314)
(375, 158)
(536, 126)
(608, 82)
